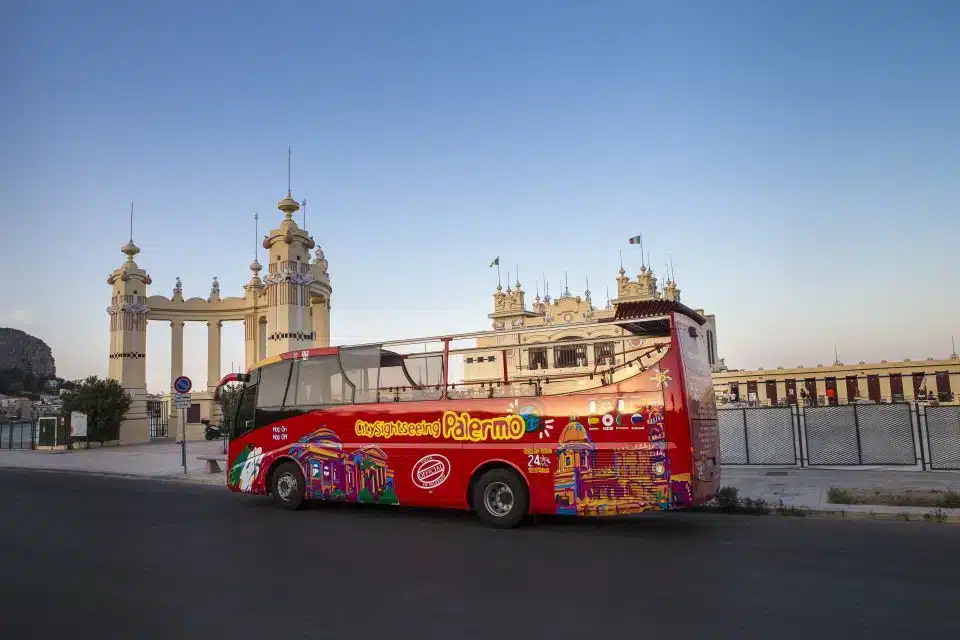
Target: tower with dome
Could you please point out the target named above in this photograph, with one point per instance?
(285, 309)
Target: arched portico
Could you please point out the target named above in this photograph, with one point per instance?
(288, 309)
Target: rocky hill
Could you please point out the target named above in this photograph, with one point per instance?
(26, 353)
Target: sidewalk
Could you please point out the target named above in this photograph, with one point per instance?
(153, 460)
(807, 489)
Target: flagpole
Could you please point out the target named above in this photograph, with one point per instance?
(499, 284)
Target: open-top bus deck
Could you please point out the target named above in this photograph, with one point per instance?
(631, 433)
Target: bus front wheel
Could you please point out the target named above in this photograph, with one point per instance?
(500, 498)
(287, 486)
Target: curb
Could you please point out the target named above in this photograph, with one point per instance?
(126, 476)
(900, 516)
(843, 514)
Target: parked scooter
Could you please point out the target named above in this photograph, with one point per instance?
(211, 431)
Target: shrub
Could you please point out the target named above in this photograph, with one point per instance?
(836, 495)
(104, 402)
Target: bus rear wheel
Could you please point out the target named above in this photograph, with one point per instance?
(500, 498)
(287, 486)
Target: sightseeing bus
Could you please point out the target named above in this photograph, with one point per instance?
(630, 432)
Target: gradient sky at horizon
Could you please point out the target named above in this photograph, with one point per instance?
(800, 160)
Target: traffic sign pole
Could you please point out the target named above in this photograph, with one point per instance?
(181, 387)
(183, 438)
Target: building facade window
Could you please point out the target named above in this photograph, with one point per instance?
(605, 353)
(896, 387)
(873, 387)
(918, 389)
(537, 358)
(791, 386)
(853, 388)
(944, 394)
(830, 384)
(711, 357)
(772, 391)
(569, 355)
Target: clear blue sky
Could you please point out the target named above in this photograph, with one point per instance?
(800, 160)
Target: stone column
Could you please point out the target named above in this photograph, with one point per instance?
(176, 350)
(250, 335)
(213, 354)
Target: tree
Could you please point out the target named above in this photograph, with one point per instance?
(104, 402)
(229, 399)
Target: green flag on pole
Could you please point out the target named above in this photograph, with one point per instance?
(496, 262)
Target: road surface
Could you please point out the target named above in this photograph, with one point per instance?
(128, 558)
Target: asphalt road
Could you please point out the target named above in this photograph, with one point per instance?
(93, 556)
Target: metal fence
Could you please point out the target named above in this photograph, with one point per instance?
(18, 434)
(943, 436)
(158, 418)
(884, 434)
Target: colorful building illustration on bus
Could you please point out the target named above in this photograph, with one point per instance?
(590, 480)
(333, 474)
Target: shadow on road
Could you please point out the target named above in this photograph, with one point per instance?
(672, 525)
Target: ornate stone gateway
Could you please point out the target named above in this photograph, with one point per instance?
(287, 310)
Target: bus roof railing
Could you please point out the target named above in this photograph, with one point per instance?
(464, 351)
(626, 324)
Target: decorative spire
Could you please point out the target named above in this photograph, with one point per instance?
(256, 235)
(288, 205)
(586, 294)
(130, 249)
(609, 304)
(953, 355)
(566, 284)
(255, 281)
(178, 287)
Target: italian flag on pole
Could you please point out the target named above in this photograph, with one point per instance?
(636, 240)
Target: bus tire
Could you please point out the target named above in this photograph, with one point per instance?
(500, 498)
(287, 486)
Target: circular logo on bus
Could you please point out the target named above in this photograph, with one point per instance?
(430, 471)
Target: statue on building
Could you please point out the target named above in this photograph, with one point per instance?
(178, 290)
(214, 290)
(321, 260)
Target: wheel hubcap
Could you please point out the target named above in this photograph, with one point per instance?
(498, 499)
(287, 486)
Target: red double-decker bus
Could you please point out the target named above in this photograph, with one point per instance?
(634, 430)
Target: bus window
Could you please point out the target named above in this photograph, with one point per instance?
(320, 381)
(362, 368)
(273, 384)
(246, 409)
